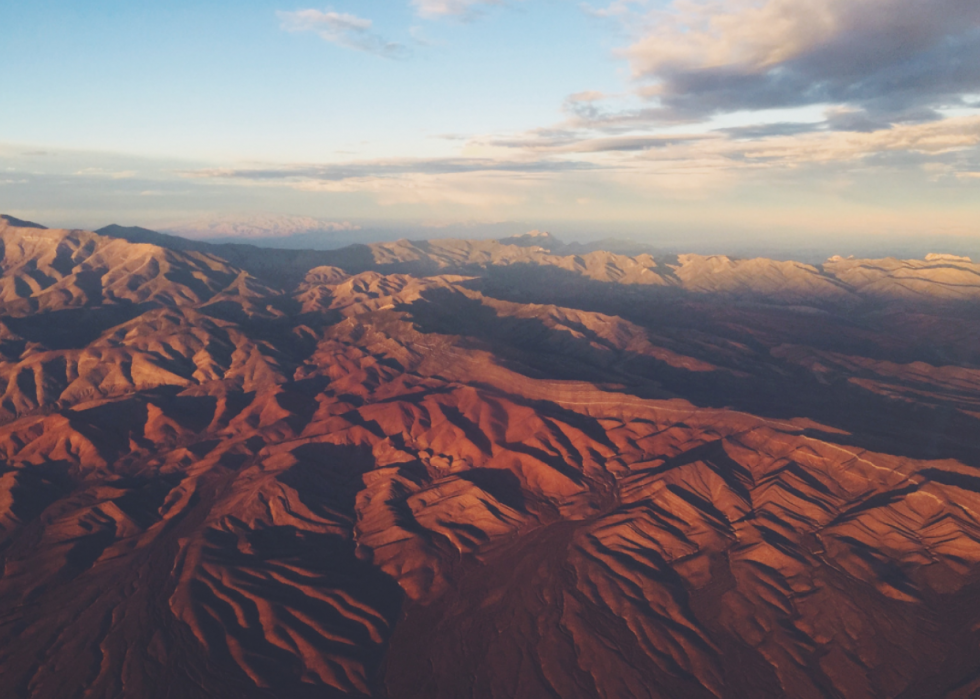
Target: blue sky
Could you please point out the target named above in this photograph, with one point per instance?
(769, 118)
(226, 81)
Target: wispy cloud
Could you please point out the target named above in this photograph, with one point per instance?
(390, 168)
(460, 9)
(928, 140)
(786, 144)
(342, 29)
(536, 168)
(467, 182)
(558, 141)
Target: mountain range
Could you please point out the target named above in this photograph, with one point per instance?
(484, 468)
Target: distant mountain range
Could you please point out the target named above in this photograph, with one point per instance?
(838, 280)
(264, 227)
(510, 468)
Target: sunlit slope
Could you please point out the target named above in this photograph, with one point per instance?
(50, 270)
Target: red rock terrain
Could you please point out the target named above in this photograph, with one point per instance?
(484, 469)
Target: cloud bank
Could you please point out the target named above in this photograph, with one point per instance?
(887, 61)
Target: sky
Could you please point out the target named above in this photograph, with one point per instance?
(787, 122)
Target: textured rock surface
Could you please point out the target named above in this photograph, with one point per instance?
(525, 475)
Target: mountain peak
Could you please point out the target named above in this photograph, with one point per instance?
(946, 257)
(19, 223)
(534, 238)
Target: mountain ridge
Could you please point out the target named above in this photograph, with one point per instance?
(832, 282)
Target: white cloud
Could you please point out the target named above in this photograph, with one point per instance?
(749, 35)
(342, 29)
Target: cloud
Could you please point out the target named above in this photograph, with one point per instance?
(757, 131)
(586, 96)
(463, 9)
(584, 104)
(342, 29)
(101, 172)
(930, 139)
(570, 142)
(480, 183)
(339, 172)
(702, 160)
(468, 190)
(951, 145)
(888, 58)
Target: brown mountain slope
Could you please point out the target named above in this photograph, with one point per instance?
(458, 486)
(48, 270)
(788, 281)
(838, 282)
(938, 276)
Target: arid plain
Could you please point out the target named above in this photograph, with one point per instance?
(492, 469)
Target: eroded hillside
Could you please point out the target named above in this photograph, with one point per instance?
(484, 469)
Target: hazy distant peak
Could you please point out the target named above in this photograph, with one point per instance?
(946, 257)
(534, 238)
(18, 223)
(256, 226)
(619, 246)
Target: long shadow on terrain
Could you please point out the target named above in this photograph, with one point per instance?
(829, 325)
(327, 477)
(502, 485)
(73, 328)
(281, 566)
(764, 386)
(36, 487)
(295, 570)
